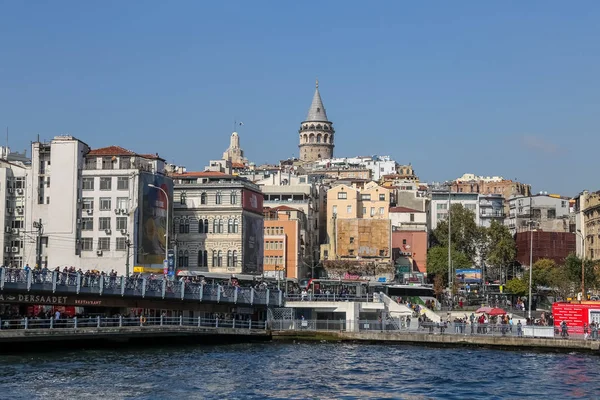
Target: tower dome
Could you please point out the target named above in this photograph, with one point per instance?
(316, 132)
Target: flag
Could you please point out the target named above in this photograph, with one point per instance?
(241, 124)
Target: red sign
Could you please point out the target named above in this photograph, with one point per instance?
(252, 201)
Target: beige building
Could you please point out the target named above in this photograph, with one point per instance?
(590, 212)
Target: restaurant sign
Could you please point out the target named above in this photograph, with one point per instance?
(34, 299)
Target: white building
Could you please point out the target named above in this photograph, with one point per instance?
(440, 200)
(549, 212)
(491, 207)
(94, 209)
(404, 218)
(379, 165)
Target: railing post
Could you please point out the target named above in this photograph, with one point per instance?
(233, 323)
(182, 289)
(54, 281)
(201, 292)
(164, 287)
(101, 285)
(123, 284)
(29, 275)
(75, 322)
(161, 320)
(98, 321)
(268, 295)
(198, 322)
(250, 323)
(235, 295)
(120, 321)
(51, 322)
(2, 277)
(26, 322)
(280, 298)
(251, 296)
(181, 320)
(78, 277)
(219, 293)
(217, 322)
(143, 287)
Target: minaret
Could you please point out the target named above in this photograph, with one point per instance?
(316, 132)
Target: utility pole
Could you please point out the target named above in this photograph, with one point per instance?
(449, 240)
(128, 246)
(38, 253)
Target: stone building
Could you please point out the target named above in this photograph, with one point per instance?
(316, 132)
(218, 223)
(234, 153)
(590, 224)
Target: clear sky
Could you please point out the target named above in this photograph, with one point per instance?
(492, 88)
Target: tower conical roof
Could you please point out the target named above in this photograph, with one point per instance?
(316, 112)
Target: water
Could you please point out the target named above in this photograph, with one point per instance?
(297, 371)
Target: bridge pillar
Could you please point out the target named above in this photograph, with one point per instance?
(268, 295)
(182, 289)
(123, 284)
(251, 296)
(164, 287)
(181, 320)
(280, 298)
(2, 277)
(51, 322)
(199, 322)
(54, 280)
(26, 322)
(78, 277)
(233, 325)
(201, 292)
(98, 321)
(120, 321)
(29, 274)
(143, 287)
(235, 295)
(219, 288)
(101, 285)
(75, 322)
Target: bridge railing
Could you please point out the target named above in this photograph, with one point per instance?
(162, 288)
(112, 322)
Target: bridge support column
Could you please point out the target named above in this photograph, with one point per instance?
(54, 280)
(201, 292)
(26, 323)
(199, 321)
(268, 295)
(123, 284)
(219, 288)
(101, 285)
(251, 296)
(143, 287)
(120, 321)
(2, 277)
(352, 313)
(75, 322)
(181, 320)
(78, 277)
(233, 322)
(29, 274)
(280, 298)
(51, 322)
(164, 287)
(98, 321)
(235, 295)
(182, 289)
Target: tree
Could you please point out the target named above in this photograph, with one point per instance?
(463, 231)
(502, 248)
(437, 262)
(519, 287)
(543, 272)
(573, 269)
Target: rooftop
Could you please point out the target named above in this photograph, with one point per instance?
(120, 151)
(404, 210)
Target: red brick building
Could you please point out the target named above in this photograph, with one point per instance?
(553, 245)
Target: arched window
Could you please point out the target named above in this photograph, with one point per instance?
(186, 259)
(234, 259)
(201, 258)
(215, 260)
(201, 226)
(205, 258)
(311, 138)
(233, 198)
(325, 138)
(218, 198)
(219, 259)
(215, 225)
(230, 225)
(220, 225)
(229, 259)
(235, 226)
(203, 198)
(319, 138)
(206, 226)
(183, 198)
(180, 258)
(319, 127)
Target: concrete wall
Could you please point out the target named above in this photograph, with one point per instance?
(414, 242)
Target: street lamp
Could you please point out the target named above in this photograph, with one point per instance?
(450, 277)
(167, 224)
(531, 222)
(583, 296)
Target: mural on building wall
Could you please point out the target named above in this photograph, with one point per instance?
(252, 244)
(153, 218)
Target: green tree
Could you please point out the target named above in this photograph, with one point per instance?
(437, 262)
(519, 287)
(464, 231)
(573, 269)
(544, 272)
(502, 249)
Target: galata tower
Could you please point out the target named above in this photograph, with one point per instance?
(316, 132)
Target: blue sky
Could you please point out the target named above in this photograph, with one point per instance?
(493, 88)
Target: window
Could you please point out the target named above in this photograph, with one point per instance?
(412, 217)
(203, 258)
(365, 197)
(372, 211)
(403, 241)
(364, 211)
(217, 258)
(206, 226)
(218, 226)
(342, 195)
(87, 244)
(334, 209)
(382, 197)
(351, 239)
(184, 226)
(121, 223)
(229, 258)
(233, 198)
(235, 226)
(121, 244)
(235, 257)
(105, 204)
(381, 253)
(442, 206)
(103, 223)
(105, 183)
(107, 163)
(203, 198)
(87, 224)
(230, 226)
(104, 243)
(125, 163)
(87, 203)
(184, 258)
(182, 198)
(122, 183)
(381, 210)
(87, 183)
(351, 252)
(349, 209)
(552, 213)
(123, 203)
(218, 198)
(201, 226)
(441, 216)
(470, 207)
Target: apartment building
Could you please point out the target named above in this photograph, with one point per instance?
(550, 213)
(441, 201)
(218, 223)
(283, 246)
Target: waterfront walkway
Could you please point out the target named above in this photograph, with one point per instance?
(48, 287)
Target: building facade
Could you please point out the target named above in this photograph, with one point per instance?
(410, 237)
(491, 208)
(550, 213)
(441, 201)
(14, 189)
(316, 132)
(553, 245)
(218, 223)
(590, 225)
(283, 243)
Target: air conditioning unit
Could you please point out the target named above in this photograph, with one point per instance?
(123, 231)
(10, 210)
(99, 252)
(11, 190)
(90, 212)
(123, 211)
(8, 229)
(107, 231)
(15, 249)
(19, 191)
(7, 249)
(117, 211)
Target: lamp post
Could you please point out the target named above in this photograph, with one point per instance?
(583, 296)
(449, 242)
(167, 219)
(530, 267)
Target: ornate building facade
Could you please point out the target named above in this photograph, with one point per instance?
(316, 132)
